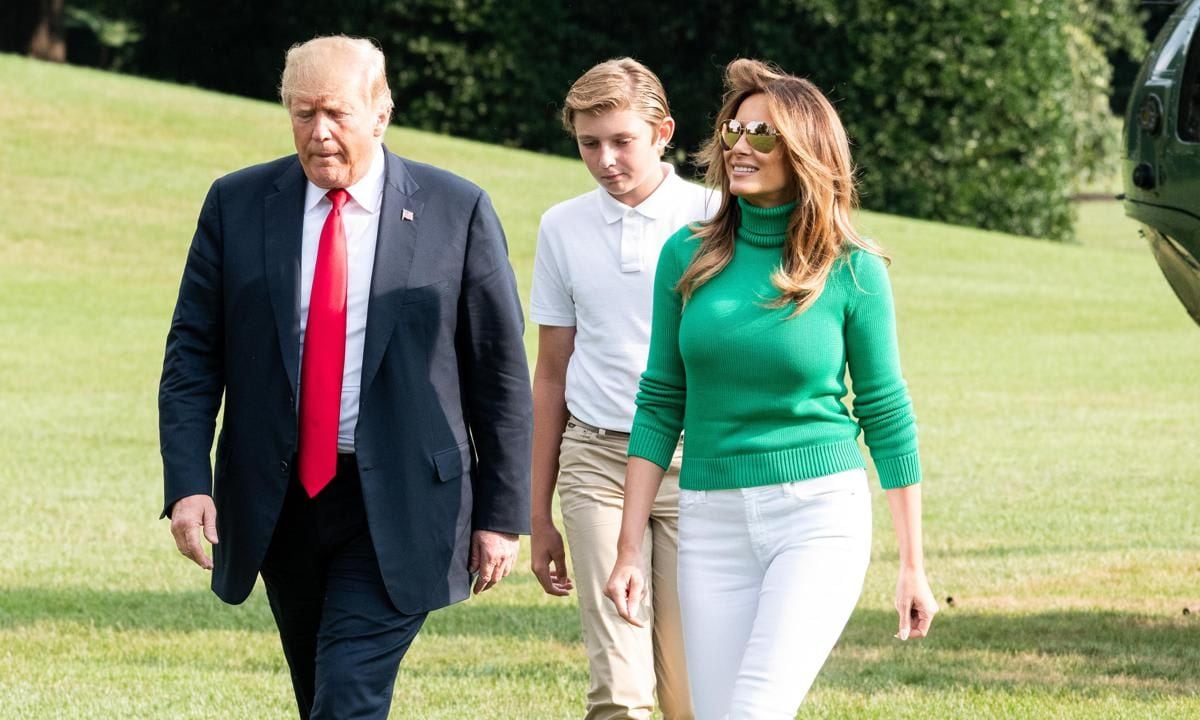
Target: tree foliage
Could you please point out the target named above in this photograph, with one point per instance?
(967, 112)
(1096, 31)
(958, 112)
(34, 28)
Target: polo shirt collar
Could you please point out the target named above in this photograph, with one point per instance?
(653, 207)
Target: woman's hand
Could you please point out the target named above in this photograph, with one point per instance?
(914, 603)
(627, 586)
(914, 599)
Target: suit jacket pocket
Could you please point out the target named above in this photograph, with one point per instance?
(221, 466)
(424, 293)
(452, 463)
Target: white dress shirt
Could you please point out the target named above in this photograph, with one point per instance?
(360, 217)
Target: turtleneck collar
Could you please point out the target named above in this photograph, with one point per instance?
(764, 227)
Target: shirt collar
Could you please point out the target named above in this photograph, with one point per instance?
(653, 207)
(367, 192)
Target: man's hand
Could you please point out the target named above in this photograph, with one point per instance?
(549, 561)
(493, 555)
(189, 517)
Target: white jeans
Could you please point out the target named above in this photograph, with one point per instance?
(768, 577)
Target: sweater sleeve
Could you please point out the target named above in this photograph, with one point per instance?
(881, 401)
(662, 391)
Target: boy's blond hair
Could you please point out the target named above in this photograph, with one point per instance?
(620, 84)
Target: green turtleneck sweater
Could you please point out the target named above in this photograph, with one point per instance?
(760, 395)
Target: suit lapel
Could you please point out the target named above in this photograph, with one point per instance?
(284, 217)
(399, 227)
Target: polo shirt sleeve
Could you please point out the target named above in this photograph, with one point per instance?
(550, 299)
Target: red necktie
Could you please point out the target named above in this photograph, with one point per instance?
(324, 354)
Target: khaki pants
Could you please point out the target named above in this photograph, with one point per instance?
(626, 662)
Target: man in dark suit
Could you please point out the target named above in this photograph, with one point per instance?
(359, 316)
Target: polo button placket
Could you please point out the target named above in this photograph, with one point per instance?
(631, 245)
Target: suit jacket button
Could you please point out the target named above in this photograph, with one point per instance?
(283, 467)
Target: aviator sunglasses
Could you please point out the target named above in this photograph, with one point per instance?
(761, 136)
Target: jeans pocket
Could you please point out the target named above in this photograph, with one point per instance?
(814, 495)
(847, 485)
(689, 499)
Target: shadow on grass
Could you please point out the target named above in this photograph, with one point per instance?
(182, 611)
(1094, 652)
(558, 622)
(189, 611)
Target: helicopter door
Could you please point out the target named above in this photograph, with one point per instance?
(1189, 95)
(1173, 226)
(1180, 177)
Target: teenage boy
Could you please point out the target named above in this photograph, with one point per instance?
(591, 298)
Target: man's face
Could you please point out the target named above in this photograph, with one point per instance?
(336, 130)
(622, 152)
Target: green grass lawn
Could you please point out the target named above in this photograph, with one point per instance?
(1056, 387)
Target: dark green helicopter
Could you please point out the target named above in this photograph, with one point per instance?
(1162, 153)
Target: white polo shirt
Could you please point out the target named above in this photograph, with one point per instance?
(594, 270)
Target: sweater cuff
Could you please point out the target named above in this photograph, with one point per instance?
(653, 446)
(898, 472)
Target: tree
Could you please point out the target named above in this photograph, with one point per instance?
(958, 110)
(984, 114)
(1097, 30)
(34, 28)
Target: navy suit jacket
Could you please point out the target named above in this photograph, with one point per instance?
(444, 425)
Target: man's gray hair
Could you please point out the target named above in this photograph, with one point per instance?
(306, 63)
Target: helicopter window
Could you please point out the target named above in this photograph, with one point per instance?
(1189, 97)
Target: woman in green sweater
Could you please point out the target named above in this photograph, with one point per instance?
(758, 316)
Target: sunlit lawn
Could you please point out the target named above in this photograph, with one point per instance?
(1056, 387)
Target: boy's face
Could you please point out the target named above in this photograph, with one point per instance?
(622, 151)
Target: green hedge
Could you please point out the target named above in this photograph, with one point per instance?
(976, 113)
(959, 110)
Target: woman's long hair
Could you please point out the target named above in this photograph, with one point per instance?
(818, 158)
